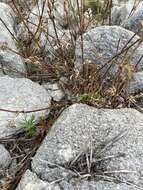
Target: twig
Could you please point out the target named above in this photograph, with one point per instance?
(23, 111)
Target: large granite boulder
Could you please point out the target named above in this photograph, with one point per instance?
(20, 95)
(102, 44)
(10, 62)
(114, 135)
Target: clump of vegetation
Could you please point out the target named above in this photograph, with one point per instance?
(92, 162)
(29, 124)
(88, 85)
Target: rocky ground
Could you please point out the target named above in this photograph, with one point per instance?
(60, 129)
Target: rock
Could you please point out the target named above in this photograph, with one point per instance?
(5, 158)
(10, 62)
(54, 91)
(112, 133)
(30, 181)
(121, 10)
(139, 101)
(135, 22)
(136, 85)
(5, 1)
(96, 185)
(119, 14)
(101, 44)
(20, 94)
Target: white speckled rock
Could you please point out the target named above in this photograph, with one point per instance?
(119, 14)
(20, 94)
(54, 91)
(101, 44)
(5, 158)
(30, 181)
(136, 85)
(72, 132)
(10, 62)
(96, 185)
(135, 22)
(121, 10)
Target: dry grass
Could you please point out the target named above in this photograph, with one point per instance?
(92, 163)
(89, 85)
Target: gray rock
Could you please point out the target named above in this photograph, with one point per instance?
(20, 94)
(119, 14)
(30, 181)
(5, 158)
(73, 132)
(54, 91)
(129, 3)
(10, 63)
(135, 22)
(136, 85)
(101, 44)
(122, 9)
(96, 185)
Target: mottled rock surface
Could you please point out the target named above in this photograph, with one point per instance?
(54, 91)
(73, 132)
(101, 44)
(10, 62)
(20, 94)
(119, 14)
(30, 181)
(5, 158)
(122, 10)
(135, 21)
(136, 85)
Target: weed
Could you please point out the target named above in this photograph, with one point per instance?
(29, 125)
(94, 98)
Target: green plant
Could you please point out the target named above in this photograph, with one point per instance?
(88, 96)
(30, 125)
(84, 97)
(93, 98)
(96, 5)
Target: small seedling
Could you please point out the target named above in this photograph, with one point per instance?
(30, 125)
